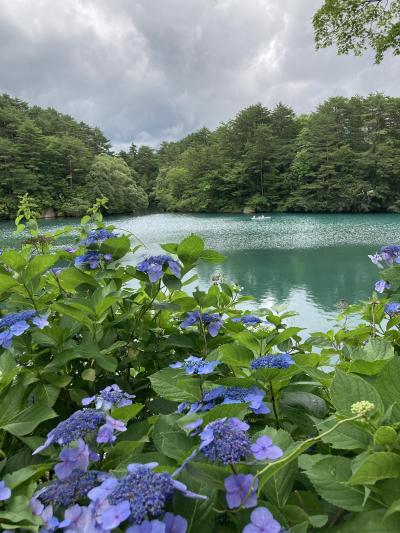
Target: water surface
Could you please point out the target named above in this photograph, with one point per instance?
(307, 262)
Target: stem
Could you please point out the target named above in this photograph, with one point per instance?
(203, 334)
(30, 296)
(273, 400)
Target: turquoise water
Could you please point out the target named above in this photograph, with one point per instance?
(306, 262)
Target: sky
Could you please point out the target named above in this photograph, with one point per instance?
(144, 71)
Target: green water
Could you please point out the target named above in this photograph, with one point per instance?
(308, 262)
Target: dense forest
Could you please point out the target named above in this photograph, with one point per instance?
(344, 157)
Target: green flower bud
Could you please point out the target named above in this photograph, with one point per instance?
(385, 435)
(363, 408)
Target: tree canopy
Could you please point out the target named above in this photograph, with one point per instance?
(355, 25)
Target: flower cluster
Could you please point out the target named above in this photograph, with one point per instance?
(80, 424)
(196, 365)
(111, 396)
(262, 521)
(225, 440)
(212, 322)
(98, 236)
(387, 254)
(381, 285)
(92, 259)
(282, 360)
(15, 324)
(154, 266)
(250, 320)
(228, 395)
(241, 490)
(392, 308)
(75, 458)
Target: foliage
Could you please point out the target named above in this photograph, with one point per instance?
(356, 25)
(180, 408)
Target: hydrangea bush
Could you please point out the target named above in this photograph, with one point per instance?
(129, 404)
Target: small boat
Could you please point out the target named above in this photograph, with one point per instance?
(261, 217)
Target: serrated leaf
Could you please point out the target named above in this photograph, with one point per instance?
(348, 389)
(173, 384)
(378, 465)
(235, 355)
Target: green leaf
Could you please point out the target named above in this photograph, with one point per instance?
(170, 439)
(211, 475)
(89, 374)
(394, 508)
(127, 412)
(190, 249)
(198, 513)
(387, 384)
(378, 465)
(348, 436)
(348, 389)
(13, 259)
(116, 246)
(211, 256)
(71, 278)
(235, 355)
(25, 421)
(329, 477)
(38, 265)
(173, 384)
(6, 282)
(31, 472)
(370, 522)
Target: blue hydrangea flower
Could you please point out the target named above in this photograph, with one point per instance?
(282, 360)
(196, 365)
(237, 487)
(5, 492)
(249, 320)
(91, 259)
(106, 432)
(381, 285)
(146, 491)
(262, 521)
(228, 395)
(75, 458)
(212, 322)
(50, 522)
(225, 440)
(78, 518)
(116, 514)
(264, 449)
(15, 324)
(77, 426)
(98, 236)
(392, 308)
(154, 266)
(174, 523)
(68, 491)
(111, 396)
(149, 526)
(390, 254)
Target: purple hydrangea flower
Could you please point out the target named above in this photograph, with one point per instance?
(228, 395)
(91, 260)
(146, 491)
(237, 488)
(212, 322)
(196, 365)
(5, 492)
(77, 426)
(97, 236)
(149, 526)
(282, 360)
(106, 432)
(111, 396)
(68, 491)
(381, 285)
(78, 518)
(264, 449)
(376, 259)
(392, 308)
(174, 523)
(153, 266)
(75, 458)
(225, 440)
(262, 521)
(15, 324)
(390, 254)
(116, 514)
(250, 320)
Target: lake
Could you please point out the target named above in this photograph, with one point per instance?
(306, 262)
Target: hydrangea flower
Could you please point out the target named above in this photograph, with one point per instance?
(225, 440)
(50, 522)
(249, 320)
(74, 458)
(149, 526)
(388, 254)
(196, 365)
(68, 491)
(78, 518)
(80, 424)
(15, 324)
(91, 259)
(212, 322)
(174, 523)
(282, 360)
(146, 492)
(97, 236)
(262, 521)
(381, 285)
(237, 488)
(264, 449)
(392, 308)
(228, 395)
(154, 265)
(5, 492)
(111, 396)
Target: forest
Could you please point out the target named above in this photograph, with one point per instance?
(343, 157)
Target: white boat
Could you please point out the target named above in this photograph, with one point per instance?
(261, 217)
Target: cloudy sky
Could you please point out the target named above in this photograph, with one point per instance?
(148, 70)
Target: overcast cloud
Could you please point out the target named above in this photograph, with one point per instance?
(152, 70)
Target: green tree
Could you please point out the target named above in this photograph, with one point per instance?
(355, 25)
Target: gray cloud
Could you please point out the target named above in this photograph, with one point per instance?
(148, 70)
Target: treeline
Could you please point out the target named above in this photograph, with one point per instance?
(63, 164)
(344, 157)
